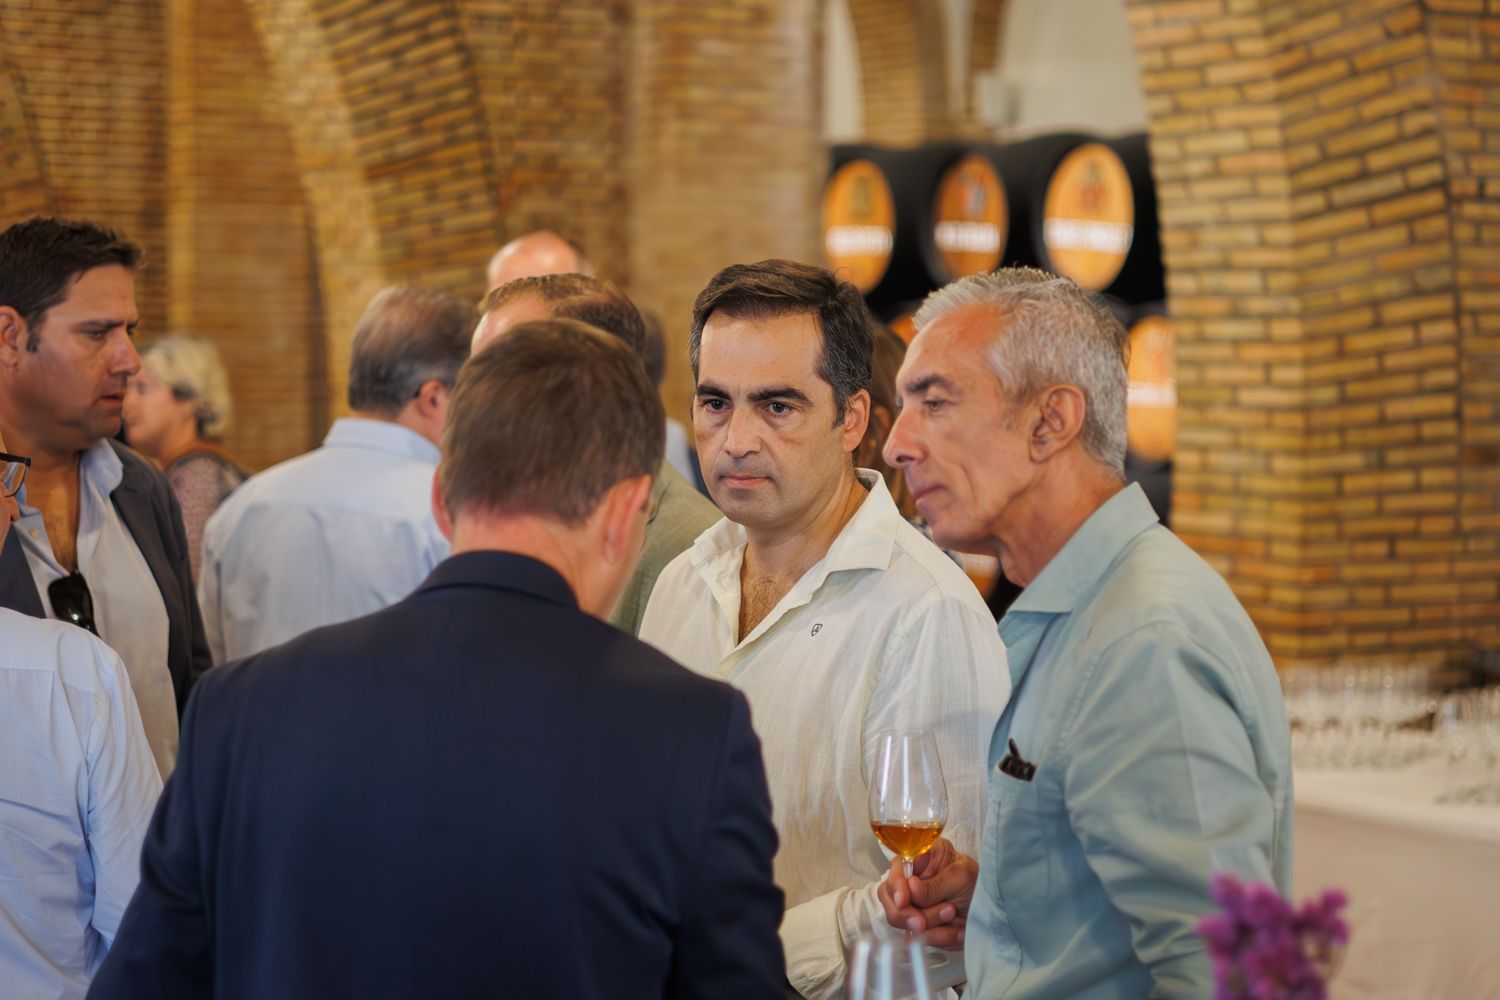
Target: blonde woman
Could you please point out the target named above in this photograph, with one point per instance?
(176, 411)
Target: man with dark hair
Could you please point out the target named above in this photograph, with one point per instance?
(483, 790)
(100, 540)
(346, 529)
(679, 514)
(817, 599)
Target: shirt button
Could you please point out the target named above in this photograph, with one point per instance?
(33, 534)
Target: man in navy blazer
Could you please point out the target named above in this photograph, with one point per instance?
(483, 790)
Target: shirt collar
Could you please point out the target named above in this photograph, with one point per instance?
(100, 472)
(504, 570)
(866, 542)
(381, 435)
(1070, 576)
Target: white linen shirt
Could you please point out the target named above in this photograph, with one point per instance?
(77, 787)
(884, 633)
(340, 532)
(129, 611)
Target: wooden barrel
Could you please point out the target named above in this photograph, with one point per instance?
(877, 218)
(1098, 222)
(970, 221)
(1020, 172)
(1151, 403)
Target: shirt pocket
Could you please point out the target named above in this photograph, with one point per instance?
(1025, 831)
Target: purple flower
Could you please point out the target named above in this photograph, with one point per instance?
(1264, 948)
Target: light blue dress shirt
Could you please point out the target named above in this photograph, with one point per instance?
(340, 532)
(1150, 708)
(77, 787)
(129, 611)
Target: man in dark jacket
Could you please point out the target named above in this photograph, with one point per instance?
(483, 790)
(100, 541)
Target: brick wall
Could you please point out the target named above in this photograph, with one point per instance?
(903, 70)
(241, 266)
(90, 81)
(1331, 461)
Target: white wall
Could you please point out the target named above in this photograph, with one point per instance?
(1068, 63)
(1064, 63)
(843, 94)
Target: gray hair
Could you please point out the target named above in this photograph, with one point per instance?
(192, 370)
(1053, 334)
(408, 335)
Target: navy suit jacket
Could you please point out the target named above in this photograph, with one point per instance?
(480, 791)
(145, 503)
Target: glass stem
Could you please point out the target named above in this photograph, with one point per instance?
(906, 867)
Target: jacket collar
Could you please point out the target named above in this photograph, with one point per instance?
(503, 571)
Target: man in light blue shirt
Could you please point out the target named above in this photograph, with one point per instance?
(1145, 745)
(77, 786)
(347, 529)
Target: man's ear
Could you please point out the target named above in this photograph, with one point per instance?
(623, 504)
(1057, 420)
(856, 419)
(439, 508)
(13, 336)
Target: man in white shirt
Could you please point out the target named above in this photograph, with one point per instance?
(100, 541)
(346, 529)
(818, 600)
(77, 786)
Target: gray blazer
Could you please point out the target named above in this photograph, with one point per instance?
(150, 513)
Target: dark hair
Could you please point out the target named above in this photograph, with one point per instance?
(40, 258)
(408, 335)
(774, 288)
(577, 296)
(545, 420)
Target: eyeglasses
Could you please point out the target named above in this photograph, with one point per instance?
(72, 601)
(13, 472)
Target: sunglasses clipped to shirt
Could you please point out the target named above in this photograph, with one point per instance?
(12, 473)
(72, 601)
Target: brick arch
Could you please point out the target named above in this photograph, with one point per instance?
(903, 69)
(23, 186)
(397, 163)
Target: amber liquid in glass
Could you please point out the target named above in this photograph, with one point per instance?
(908, 840)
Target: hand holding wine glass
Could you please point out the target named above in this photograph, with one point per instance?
(908, 800)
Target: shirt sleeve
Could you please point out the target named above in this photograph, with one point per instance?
(123, 786)
(1162, 790)
(163, 948)
(945, 672)
(210, 597)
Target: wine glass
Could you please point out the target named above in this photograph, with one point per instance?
(881, 969)
(908, 800)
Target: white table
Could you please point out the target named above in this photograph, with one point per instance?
(1423, 881)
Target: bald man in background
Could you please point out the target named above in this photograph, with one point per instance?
(535, 254)
(679, 513)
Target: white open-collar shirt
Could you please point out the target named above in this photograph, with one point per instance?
(884, 633)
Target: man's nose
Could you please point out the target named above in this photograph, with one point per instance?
(741, 437)
(127, 358)
(900, 447)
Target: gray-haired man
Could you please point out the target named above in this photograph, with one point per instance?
(346, 529)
